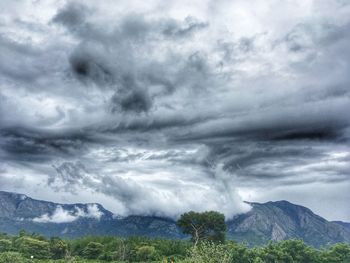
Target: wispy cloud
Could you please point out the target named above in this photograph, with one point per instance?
(60, 215)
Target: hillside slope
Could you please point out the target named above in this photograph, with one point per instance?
(264, 222)
(283, 220)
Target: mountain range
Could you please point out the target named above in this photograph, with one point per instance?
(271, 221)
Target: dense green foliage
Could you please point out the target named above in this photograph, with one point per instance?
(206, 226)
(12, 257)
(21, 249)
(30, 246)
(58, 248)
(290, 251)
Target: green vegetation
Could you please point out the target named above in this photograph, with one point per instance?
(30, 246)
(208, 246)
(20, 249)
(207, 226)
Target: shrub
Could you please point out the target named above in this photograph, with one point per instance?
(146, 253)
(208, 252)
(93, 250)
(295, 251)
(337, 253)
(5, 245)
(32, 247)
(12, 257)
(58, 248)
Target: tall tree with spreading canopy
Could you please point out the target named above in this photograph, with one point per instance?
(206, 226)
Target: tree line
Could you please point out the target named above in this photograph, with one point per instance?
(206, 245)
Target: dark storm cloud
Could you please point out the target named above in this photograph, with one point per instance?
(289, 123)
(72, 15)
(148, 106)
(86, 66)
(131, 99)
(108, 57)
(31, 145)
(247, 160)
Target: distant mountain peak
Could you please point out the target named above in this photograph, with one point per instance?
(270, 221)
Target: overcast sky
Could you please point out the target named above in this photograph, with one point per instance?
(160, 107)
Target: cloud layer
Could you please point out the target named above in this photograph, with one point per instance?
(60, 215)
(161, 108)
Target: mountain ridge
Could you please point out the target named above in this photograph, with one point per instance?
(279, 220)
(344, 224)
(270, 221)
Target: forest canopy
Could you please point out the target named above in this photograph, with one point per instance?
(30, 247)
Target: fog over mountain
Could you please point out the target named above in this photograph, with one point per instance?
(160, 107)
